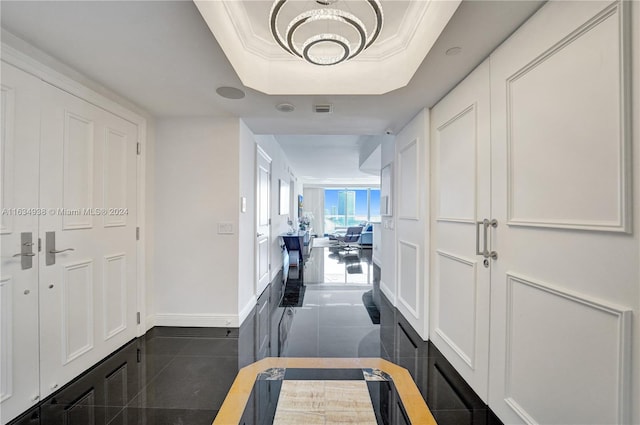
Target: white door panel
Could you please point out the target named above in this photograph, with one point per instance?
(20, 137)
(566, 278)
(89, 179)
(460, 135)
(412, 222)
(263, 218)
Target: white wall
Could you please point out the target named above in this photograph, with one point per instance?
(247, 223)
(280, 169)
(313, 202)
(197, 187)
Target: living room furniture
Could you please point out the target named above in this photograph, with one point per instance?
(351, 237)
(298, 245)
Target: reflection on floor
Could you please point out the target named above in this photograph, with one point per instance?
(340, 266)
(180, 376)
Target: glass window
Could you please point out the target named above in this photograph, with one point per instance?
(350, 207)
(374, 209)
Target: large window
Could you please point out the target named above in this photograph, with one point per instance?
(350, 207)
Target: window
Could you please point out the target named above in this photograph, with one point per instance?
(350, 207)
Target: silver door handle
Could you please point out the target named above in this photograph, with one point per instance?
(478, 224)
(53, 251)
(50, 249)
(26, 251)
(486, 223)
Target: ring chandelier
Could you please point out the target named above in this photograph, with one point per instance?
(339, 19)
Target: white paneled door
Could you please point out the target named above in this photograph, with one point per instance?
(566, 280)
(461, 175)
(69, 172)
(88, 296)
(263, 219)
(20, 136)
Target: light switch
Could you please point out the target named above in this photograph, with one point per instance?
(225, 228)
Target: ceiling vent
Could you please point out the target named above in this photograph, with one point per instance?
(323, 109)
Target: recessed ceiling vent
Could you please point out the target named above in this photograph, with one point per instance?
(326, 108)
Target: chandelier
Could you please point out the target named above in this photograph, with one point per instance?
(330, 32)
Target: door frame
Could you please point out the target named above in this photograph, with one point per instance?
(115, 106)
(256, 281)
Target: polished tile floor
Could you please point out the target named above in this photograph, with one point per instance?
(180, 376)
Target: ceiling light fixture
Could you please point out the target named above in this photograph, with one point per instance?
(327, 35)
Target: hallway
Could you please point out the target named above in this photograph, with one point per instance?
(180, 376)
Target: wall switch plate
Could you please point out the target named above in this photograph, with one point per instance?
(243, 204)
(225, 228)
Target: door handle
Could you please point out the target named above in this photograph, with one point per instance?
(260, 234)
(50, 248)
(486, 223)
(489, 223)
(26, 254)
(53, 251)
(478, 224)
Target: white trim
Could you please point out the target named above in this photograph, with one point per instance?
(414, 311)
(197, 320)
(388, 292)
(470, 358)
(440, 218)
(247, 309)
(150, 322)
(623, 222)
(415, 216)
(623, 315)
(6, 322)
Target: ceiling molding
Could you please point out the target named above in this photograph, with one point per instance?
(389, 64)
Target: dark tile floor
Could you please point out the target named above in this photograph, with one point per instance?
(180, 376)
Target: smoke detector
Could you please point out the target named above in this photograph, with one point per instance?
(326, 108)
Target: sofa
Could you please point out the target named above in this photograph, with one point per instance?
(366, 237)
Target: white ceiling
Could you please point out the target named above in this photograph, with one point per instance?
(322, 160)
(162, 56)
(242, 29)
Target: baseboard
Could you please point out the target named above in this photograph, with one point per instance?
(198, 320)
(150, 322)
(388, 293)
(376, 261)
(247, 309)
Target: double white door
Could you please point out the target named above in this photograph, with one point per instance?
(538, 139)
(68, 183)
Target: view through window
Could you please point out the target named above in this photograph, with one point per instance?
(350, 207)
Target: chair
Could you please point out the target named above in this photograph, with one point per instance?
(350, 239)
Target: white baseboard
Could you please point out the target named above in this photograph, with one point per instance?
(198, 320)
(150, 321)
(247, 309)
(388, 292)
